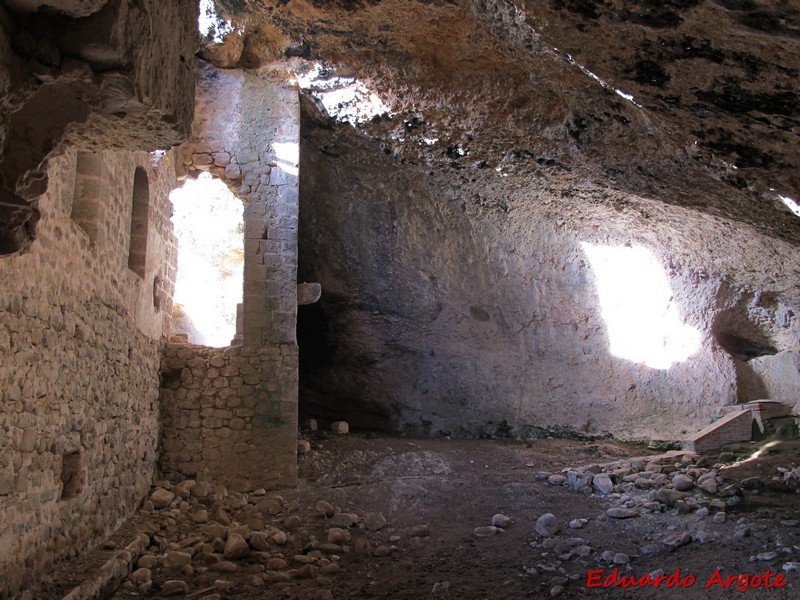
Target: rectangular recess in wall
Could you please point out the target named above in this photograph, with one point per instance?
(140, 214)
(86, 193)
(73, 476)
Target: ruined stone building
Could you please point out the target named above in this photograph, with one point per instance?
(525, 217)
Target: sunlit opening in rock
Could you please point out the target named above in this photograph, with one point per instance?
(343, 98)
(209, 226)
(288, 156)
(791, 204)
(636, 300)
(210, 25)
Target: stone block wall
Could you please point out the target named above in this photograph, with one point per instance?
(230, 415)
(80, 345)
(734, 427)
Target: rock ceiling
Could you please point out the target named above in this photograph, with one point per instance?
(693, 102)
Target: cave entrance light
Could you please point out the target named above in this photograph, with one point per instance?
(346, 99)
(287, 157)
(791, 204)
(638, 307)
(210, 25)
(209, 225)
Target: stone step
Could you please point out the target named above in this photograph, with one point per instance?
(737, 424)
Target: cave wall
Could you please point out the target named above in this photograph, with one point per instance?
(471, 307)
(80, 335)
(231, 414)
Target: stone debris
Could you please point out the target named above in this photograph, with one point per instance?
(344, 519)
(501, 520)
(375, 521)
(547, 525)
(620, 558)
(485, 531)
(340, 427)
(259, 539)
(338, 536)
(676, 540)
(161, 498)
(578, 523)
(420, 531)
(141, 575)
(326, 508)
(303, 447)
(175, 559)
(236, 547)
(382, 551)
(174, 587)
(767, 556)
(602, 483)
(682, 483)
(704, 537)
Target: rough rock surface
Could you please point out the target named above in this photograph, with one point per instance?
(78, 74)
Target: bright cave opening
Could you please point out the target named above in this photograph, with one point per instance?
(346, 99)
(209, 226)
(638, 306)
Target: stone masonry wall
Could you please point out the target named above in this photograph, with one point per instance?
(230, 414)
(80, 345)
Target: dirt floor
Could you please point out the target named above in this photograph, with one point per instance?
(418, 503)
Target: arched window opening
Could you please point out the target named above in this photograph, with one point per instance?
(209, 226)
(137, 253)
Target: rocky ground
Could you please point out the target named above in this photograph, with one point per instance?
(382, 517)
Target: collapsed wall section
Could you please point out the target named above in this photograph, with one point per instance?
(230, 415)
(80, 343)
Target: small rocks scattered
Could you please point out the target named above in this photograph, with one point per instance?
(258, 539)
